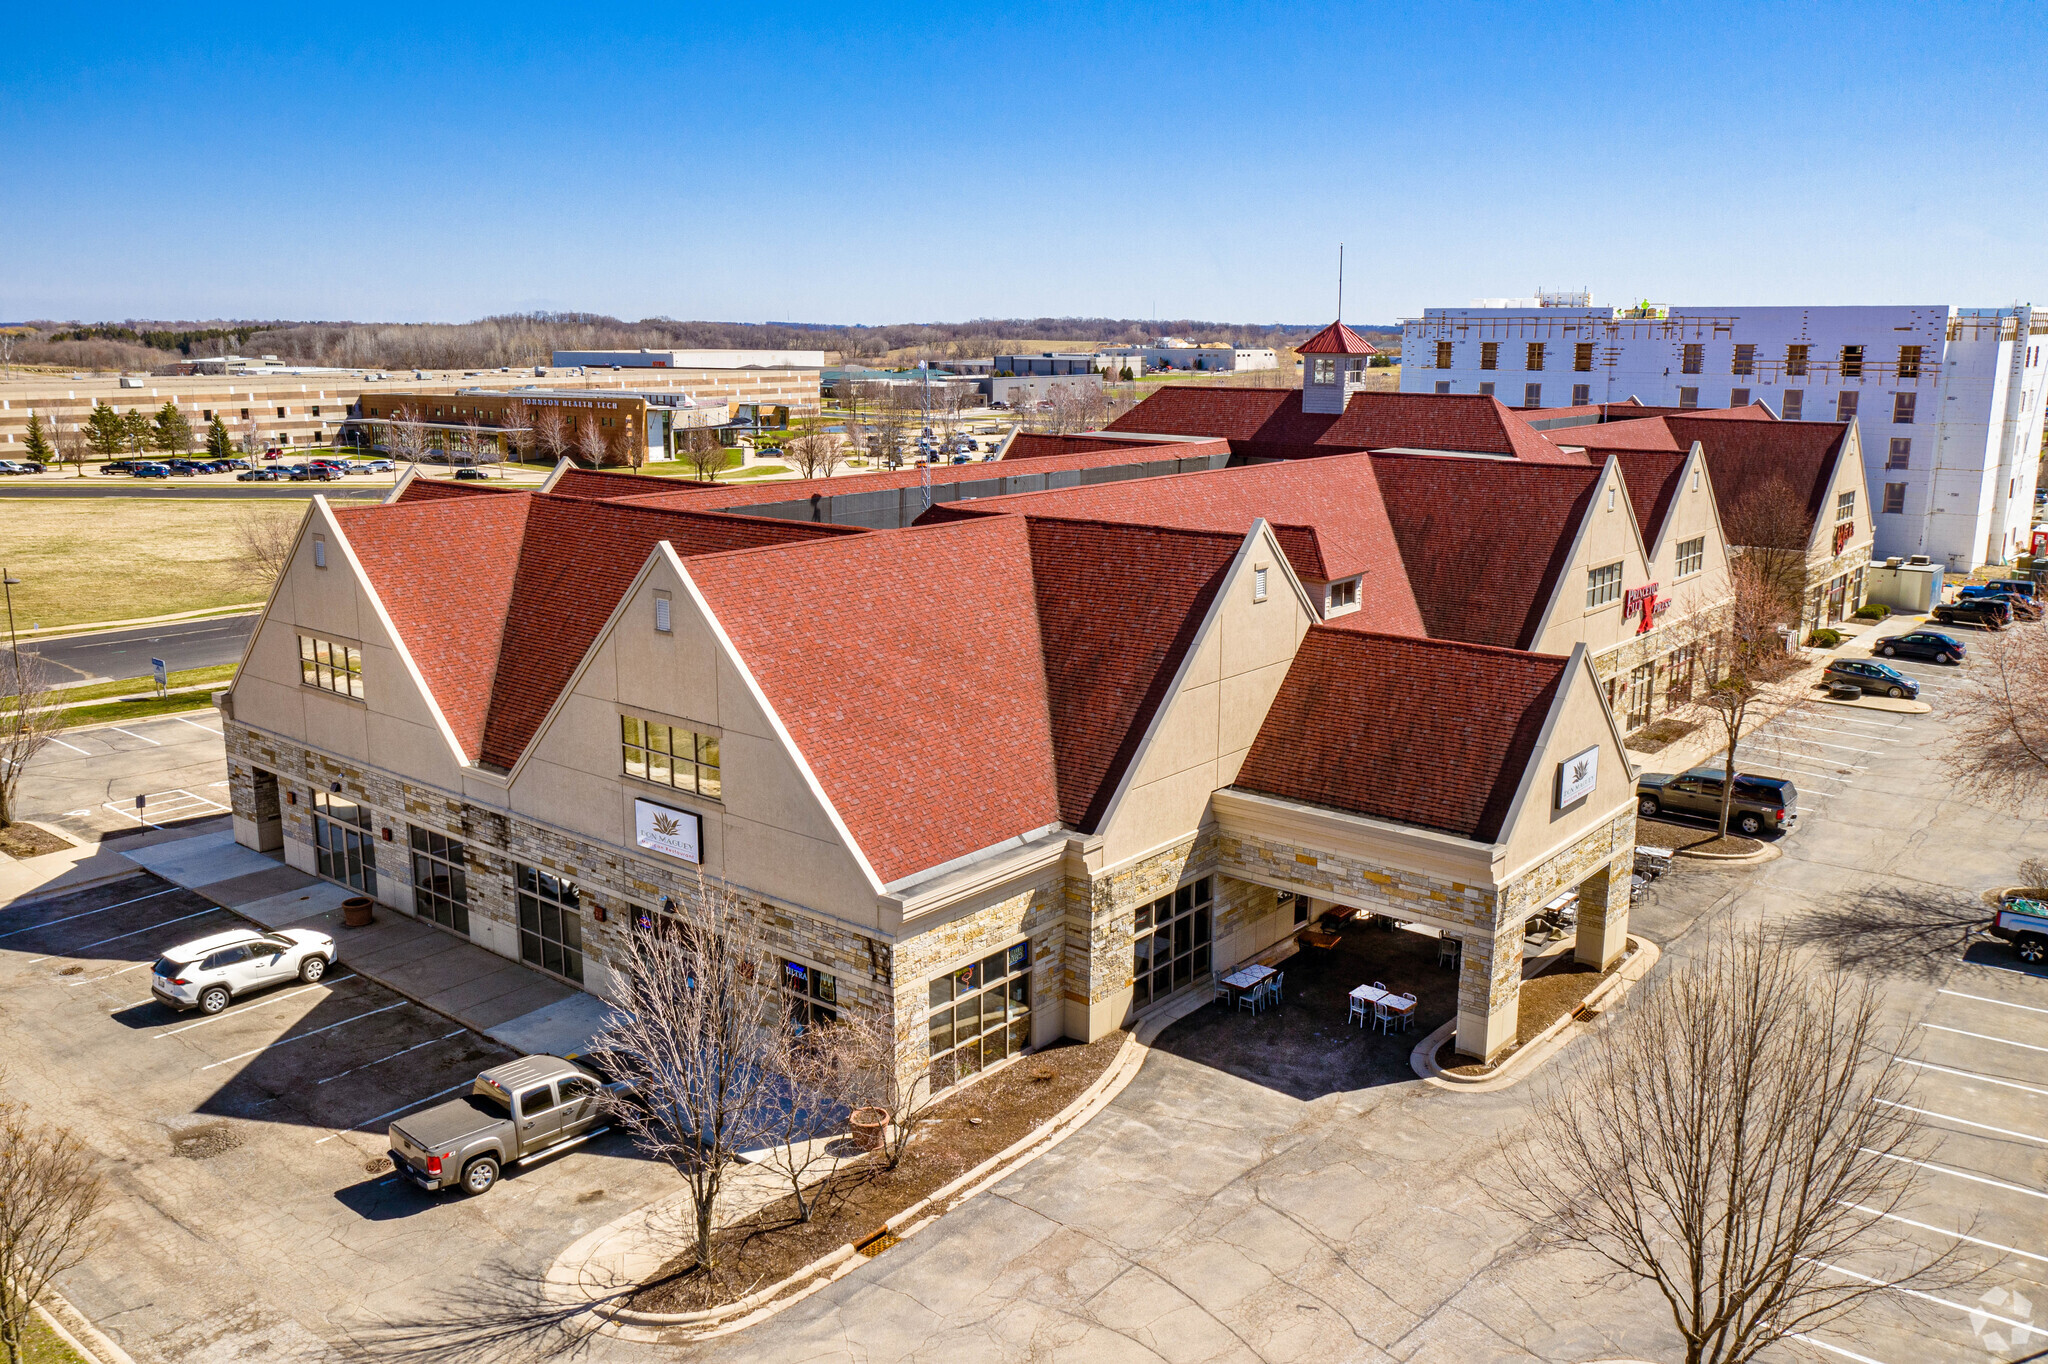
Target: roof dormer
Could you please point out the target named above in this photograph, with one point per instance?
(1333, 363)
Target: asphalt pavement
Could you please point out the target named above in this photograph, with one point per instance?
(139, 487)
(126, 653)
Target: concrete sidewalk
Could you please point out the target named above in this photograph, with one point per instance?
(502, 999)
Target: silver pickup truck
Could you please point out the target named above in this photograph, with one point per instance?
(2024, 924)
(512, 1113)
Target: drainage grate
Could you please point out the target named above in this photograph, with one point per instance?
(877, 1243)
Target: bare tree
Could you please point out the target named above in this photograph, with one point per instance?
(473, 438)
(28, 719)
(516, 428)
(405, 438)
(687, 1031)
(886, 1060)
(51, 1195)
(703, 453)
(250, 434)
(71, 443)
(1772, 524)
(814, 451)
(591, 443)
(1998, 738)
(263, 544)
(551, 433)
(1743, 667)
(806, 1104)
(1728, 1140)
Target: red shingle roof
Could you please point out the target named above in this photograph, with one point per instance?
(1025, 445)
(926, 722)
(1336, 339)
(1371, 724)
(1483, 541)
(1652, 480)
(1259, 422)
(1749, 459)
(1470, 422)
(1326, 514)
(612, 485)
(422, 489)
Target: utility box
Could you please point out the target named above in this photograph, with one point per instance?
(1904, 586)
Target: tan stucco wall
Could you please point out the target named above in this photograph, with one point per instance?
(1608, 535)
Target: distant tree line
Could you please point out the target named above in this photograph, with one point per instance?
(531, 338)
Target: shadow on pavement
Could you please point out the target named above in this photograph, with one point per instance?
(1912, 930)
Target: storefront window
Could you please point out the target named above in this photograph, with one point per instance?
(550, 923)
(980, 1014)
(810, 995)
(1170, 943)
(440, 879)
(343, 847)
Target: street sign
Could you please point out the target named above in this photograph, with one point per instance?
(163, 678)
(140, 801)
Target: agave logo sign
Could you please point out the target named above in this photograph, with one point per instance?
(663, 829)
(1577, 776)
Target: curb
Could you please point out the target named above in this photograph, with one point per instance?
(100, 627)
(671, 1327)
(1643, 955)
(1764, 854)
(94, 1347)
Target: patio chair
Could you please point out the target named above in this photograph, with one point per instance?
(1381, 1017)
(1222, 991)
(1357, 1012)
(1404, 1017)
(1275, 983)
(1447, 951)
(1253, 999)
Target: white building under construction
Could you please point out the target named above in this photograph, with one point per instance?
(1948, 400)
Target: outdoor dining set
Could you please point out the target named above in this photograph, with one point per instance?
(1255, 987)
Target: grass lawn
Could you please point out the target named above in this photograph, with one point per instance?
(117, 711)
(41, 1345)
(185, 677)
(757, 471)
(86, 559)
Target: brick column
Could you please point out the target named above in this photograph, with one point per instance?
(1489, 992)
(1603, 913)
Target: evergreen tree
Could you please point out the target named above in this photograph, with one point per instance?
(39, 448)
(219, 444)
(172, 433)
(105, 432)
(140, 430)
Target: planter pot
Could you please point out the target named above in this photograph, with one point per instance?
(355, 911)
(868, 1126)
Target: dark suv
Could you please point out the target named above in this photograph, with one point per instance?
(1761, 803)
(1924, 644)
(1876, 678)
(1992, 613)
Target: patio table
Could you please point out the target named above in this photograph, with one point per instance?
(1247, 977)
(1370, 995)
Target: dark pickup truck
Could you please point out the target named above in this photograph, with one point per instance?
(1761, 803)
(514, 1112)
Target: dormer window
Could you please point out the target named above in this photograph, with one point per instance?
(1343, 595)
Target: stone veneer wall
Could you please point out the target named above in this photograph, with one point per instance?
(1656, 647)
(1376, 889)
(1101, 912)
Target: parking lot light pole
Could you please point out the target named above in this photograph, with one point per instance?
(8, 582)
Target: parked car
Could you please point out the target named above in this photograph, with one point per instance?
(256, 476)
(1761, 803)
(8, 466)
(119, 466)
(2002, 587)
(1877, 679)
(470, 475)
(380, 466)
(1990, 613)
(2024, 924)
(149, 471)
(512, 1113)
(1930, 644)
(273, 453)
(206, 973)
(2021, 607)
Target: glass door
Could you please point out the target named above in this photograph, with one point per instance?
(1171, 943)
(344, 849)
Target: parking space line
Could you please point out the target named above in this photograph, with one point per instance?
(1986, 999)
(73, 747)
(1983, 1037)
(1925, 1226)
(210, 909)
(2015, 970)
(1835, 1349)
(1950, 1117)
(1971, 1075)
(1959, 1174)
(394, 1055)
(131, 734)
(1924, 1297)
(196, 725)
(1820, 743)
(302, 1036)
(273, 999)
(402, 1108)
(94, 980)
(1807, 772)
(1830, 729)
(90, 912)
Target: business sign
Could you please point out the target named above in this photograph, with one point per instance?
(156, 668)
(1577, 776)
(666, 830)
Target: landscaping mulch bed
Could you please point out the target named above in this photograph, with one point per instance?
(962, 1131)
(1658, 833)
(1655, 738)
(26, 840)
(1545, 999)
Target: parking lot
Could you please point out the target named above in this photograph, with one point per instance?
(254, 1206)
(85, 783)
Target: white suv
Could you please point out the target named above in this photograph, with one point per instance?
(206, 973)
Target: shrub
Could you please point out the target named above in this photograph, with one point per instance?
(1872, 611)
(1823, 639)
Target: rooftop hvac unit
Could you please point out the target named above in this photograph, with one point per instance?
(1893, 562)
(1919, 559)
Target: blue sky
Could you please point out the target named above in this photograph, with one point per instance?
(876, 164)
